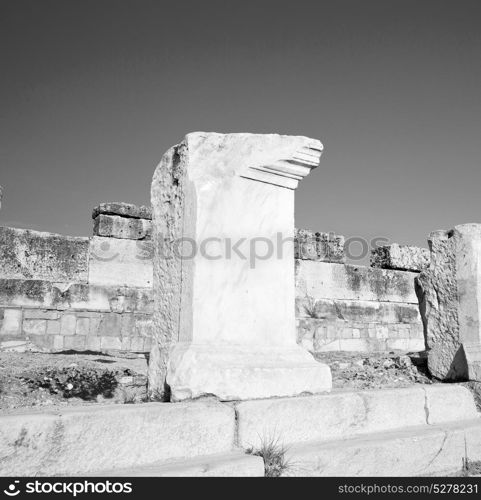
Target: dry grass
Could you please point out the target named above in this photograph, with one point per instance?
(274, 455)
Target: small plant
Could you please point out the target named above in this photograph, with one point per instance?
(274, 456)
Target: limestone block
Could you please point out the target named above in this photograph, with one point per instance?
(12, 322)
(117, 262)
(402, 257)
(322, 247)
(44, 256)
(34, 326)
(224, 321)
(75, 342)
(450, 295)
(449, 403)
(114, 226)
(123, 209)
(94, 438)
(415, 451)
(323, 280)
(220, 465)
(68, 324)
(329, 416)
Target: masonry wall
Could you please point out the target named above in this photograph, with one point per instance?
(65, 293)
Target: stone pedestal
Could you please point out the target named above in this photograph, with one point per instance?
(452, 299)
(223, 232)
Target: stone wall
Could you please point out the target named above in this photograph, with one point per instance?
(356, 308)
(86, 294)
(60, 293)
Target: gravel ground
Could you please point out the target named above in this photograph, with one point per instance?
(360, 370)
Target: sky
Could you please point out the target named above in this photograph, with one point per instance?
(93, 92)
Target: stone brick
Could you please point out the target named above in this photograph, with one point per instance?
(143, 325)
(12, 322)
(40, 314)
(127, 325)
(58, 343)
(107, 343)
(322, 247)
(110, 325)
(123, 209)
(34, 326)
(92, 343)
(137, 344)
(402, 257)
(68, 324)
(125, 343)
(118, 262)
(113, 226)
(53, 327)
(83, 326)
(75, 342)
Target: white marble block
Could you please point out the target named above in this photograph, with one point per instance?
(223, 232)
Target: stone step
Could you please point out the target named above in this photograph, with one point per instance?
(416, 451)
(90, 438)
(345, 414)
(235, 464)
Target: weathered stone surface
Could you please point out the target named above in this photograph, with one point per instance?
(225, 325)
(322, 247)
(234, 464)
(322, 280)
(416, 451)
(32, 294)
(449, 403)
(450, 297)
(340, 415)
(402, 257)
(117, 262)
(330, 416)
(123, 209)
(114, 226)
(46, 256)
(76, 441)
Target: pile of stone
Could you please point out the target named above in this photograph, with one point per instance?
(122, 220)
(320, 247)
(400, 257)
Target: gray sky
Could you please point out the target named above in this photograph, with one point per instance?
(94, 91)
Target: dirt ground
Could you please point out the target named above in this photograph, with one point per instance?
(359, 371)
(34, 380)
(38, 380)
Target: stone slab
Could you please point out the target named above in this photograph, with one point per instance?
(42, 256)
(344, 414)
(37, 294)
(123, 209)
(416, 451)
(235, 464)
(329, 416)
(321, 247)
(114, 226)
(323, 280)
(449, 403)
(402, 257)
(117, 262)
(82, 440)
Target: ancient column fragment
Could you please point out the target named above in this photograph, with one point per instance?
(223, 232)
(451, 289)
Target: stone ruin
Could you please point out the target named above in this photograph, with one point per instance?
(220, 324)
